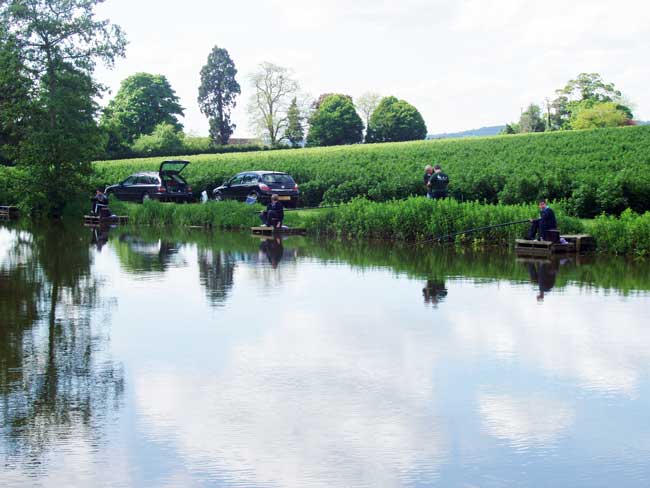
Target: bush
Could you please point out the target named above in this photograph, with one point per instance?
(165, 139)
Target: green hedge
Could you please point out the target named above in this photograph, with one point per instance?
(593, 171)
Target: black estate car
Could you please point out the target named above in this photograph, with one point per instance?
(167, 185)
(259, 186)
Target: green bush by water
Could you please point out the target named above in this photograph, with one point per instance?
(593, 171)
(627, 234)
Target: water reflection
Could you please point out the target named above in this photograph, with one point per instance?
(434, 292)
(303, 363)
(54, 382)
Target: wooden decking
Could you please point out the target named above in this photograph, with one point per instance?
(289, 231)
(96, 220)
(575, 244)
(9, 213)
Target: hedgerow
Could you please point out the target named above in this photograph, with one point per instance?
(593, 171)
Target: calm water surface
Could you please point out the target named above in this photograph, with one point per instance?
(132, 358)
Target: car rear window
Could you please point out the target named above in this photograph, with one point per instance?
(278, 178)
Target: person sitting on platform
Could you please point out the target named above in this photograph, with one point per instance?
(274, 213)
(100, 202)
(546, 222)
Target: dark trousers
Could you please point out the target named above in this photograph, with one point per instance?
(271, 222)
(537, 227)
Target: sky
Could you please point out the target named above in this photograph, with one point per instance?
(463, 63)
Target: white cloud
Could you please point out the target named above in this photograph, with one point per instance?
(533, 421)
(463, 64)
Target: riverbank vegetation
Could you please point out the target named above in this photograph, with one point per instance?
(593, 171)
(414, 219)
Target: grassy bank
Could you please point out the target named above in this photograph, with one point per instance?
(413, 219)
(593, 171)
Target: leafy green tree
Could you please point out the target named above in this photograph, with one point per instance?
(143, 101)
(15, 92)
(295, 132)
(164, 140)
(274, 88)
(60, 42)
(395, 120)
(218, 93)
(607, 114)
(335, 122)
(586, 90)
(531, 119)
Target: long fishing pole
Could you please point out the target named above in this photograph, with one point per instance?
(470, 231)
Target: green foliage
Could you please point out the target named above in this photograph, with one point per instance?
(217, 94)
(599, 115)
(395, 120)
(295, 133)
(58, 43)
(142, 102)
(601, 165)
(583, 92)
(531, 119)
(627, 234)
(164, 140)
(335, 122)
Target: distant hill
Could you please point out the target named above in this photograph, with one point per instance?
(483, 131)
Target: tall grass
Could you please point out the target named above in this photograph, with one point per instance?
(412, 219)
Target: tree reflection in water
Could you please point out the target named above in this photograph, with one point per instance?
(55, 379)
(216, 272)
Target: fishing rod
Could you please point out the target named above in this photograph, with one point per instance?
(470, 231)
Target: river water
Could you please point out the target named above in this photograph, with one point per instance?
(161, 358)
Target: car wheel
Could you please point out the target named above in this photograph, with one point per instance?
(253, 197)
(145, 198)
(218, 196)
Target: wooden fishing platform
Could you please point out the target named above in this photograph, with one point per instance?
(97, 220)
(575, 244)
(9, 213)
(287, 231)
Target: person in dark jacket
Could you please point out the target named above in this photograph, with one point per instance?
(99, 201)
(274, 213)
(438, 183)
(544, 223)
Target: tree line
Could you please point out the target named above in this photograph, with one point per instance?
(586, 102)
(145, 110)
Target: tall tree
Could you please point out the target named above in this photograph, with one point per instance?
(274, 88)
(295, 132)
(143, 101)
(395, 120)
(367, 103)
(335, 122)
(531, 119)
(218, 93)
(586, 90)
(15, 93)
(60, 42)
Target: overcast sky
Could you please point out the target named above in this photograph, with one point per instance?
(462, 63)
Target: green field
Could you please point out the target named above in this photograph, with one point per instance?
(593, 171)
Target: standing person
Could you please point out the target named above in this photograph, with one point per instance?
(100, 201)
(274, 213)
(438, 183)
(428, 171)
(545, 222)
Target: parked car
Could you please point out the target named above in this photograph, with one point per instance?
(167, 185)
(259, 186)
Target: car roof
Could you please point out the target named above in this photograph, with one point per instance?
(146, 173)
(264, 172)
